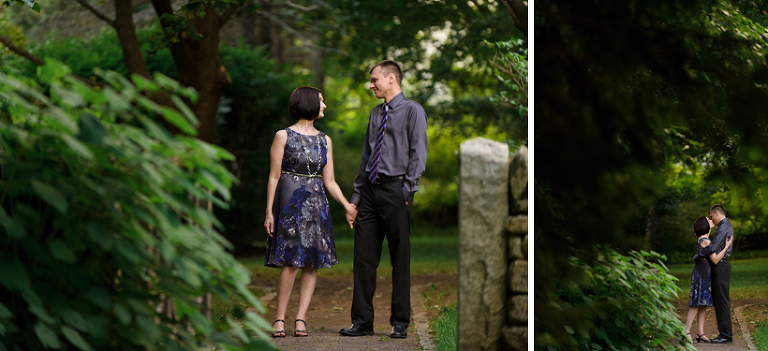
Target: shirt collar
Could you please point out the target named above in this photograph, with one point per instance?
(395, 100)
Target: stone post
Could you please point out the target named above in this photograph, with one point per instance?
(483, 209)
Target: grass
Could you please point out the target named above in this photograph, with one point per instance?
(760, 334)
(433, 250)
(749, 278)
(444, 328)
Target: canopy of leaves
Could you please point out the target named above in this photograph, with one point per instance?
(100, 223)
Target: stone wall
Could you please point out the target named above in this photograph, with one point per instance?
(493, 242)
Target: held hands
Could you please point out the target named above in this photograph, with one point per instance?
(269, 224)
(351, 214)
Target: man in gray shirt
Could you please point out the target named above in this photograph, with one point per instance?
(394, 159)
(721, 275)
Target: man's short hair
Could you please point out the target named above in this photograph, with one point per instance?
(389, 66)
(717, 208)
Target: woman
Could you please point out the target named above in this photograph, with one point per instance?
(298, 218)
(701, 286)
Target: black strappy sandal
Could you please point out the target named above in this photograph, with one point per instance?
(279, 333)
(701, 338)
(300, 333)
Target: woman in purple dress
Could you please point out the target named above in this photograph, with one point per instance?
(701, 285)
(298, 218)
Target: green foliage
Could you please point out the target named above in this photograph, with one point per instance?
(444, 327)
(100, 223)
(101, 51)
(760, 333)
(630, 91)
(12, 32)
(627, 301)
(511, 61)
(31, 3)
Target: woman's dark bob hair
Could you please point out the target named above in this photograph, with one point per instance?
(305, 103)
(701, 226)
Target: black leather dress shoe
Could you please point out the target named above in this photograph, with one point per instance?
(355, 330)
(399, 332)
(722, 340)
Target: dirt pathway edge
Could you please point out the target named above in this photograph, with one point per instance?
(420, 318)
(745, 330)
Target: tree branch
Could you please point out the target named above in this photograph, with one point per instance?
(519, 12)
(96, 12)
(226, 15)
(303, 8)
(295, 32)
(8, 42)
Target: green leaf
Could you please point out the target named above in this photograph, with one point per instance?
(75, 319)
(47, 337)
(50, 195)
(63, 118)
(36, 7)
(569, 329)
(123, 315)
(5, 312)
(212, 182)
(92, 131)
(74, 337)
(52, 70)
(14, 276)
(61, 252)
(178, 120)
(40, 312)
(77, 146)
(100, 297)
(116, 102)
(143, 84)
(191, 118)
(12, 227)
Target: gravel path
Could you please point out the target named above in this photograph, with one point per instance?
(329, 312)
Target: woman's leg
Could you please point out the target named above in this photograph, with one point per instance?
(284, 287)
(308, 281)
(702, 315)
(689, 319)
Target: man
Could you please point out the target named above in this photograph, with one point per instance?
(394, 158)
(721, 275)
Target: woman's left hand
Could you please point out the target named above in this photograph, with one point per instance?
(269, 223)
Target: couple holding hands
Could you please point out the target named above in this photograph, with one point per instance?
(298, 218)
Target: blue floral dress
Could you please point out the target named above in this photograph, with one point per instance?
(303, 235)
(701, 282)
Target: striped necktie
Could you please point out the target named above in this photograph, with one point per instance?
(376, 155)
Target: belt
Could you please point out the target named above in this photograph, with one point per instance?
(384, 179)
(304, 175)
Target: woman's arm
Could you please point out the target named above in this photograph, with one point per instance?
(329, 180)
(716, 257)
(275, 168)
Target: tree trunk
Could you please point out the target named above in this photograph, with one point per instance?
(129, 42)
(651, 227)
(318, 73)
(199, 66)
(248, 28)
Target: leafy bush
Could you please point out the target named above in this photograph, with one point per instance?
(624, 303)
(99, 224)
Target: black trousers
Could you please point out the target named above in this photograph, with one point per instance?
(721, 298)
(382, 213)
